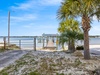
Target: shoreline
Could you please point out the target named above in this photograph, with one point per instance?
(94, 46)
(90, 46)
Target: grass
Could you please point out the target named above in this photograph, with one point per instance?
(34, 73)
(11, 47)
(5, 73)
(34, 64)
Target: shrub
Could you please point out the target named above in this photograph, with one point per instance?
(79, 48)
(78, 53)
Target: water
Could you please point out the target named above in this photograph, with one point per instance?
(94, 41)
(29, 42)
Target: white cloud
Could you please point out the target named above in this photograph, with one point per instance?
(26, 17)
(94, 18)
(45, 26)
(23, 6)
(31, 4)
(50, 2)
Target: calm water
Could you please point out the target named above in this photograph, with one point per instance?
(29, 42)
(94, 41)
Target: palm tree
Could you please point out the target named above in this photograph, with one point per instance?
(85, 9)
(70, 37)
(69, 30)
(63, 39)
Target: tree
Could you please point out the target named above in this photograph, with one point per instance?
(69, 24)
(71, 37)
(70, 31)
(85, 9)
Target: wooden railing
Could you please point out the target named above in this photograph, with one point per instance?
(20, 42)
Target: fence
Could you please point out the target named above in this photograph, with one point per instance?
(25, 42)
(34, 42)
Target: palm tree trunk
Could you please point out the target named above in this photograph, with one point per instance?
(71, 46)
(86, 45)
(86, 27)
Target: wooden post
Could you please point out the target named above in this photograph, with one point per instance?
(47, 41)
(20, 44)
(35, 43)
(43, 42)
(57, 43)
(4, 39)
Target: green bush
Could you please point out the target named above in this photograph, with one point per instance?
(79, 48)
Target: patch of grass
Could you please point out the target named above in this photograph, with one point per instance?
(2, 49)
(5, 73)
(53, 64)
(77, 62)
(60, 74)
(34, 73)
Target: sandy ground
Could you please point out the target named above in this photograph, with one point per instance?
(52, 63)
(9, 57)
(94, 46)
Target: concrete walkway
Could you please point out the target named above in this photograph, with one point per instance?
(9, 57)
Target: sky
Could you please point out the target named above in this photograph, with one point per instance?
(33, 18)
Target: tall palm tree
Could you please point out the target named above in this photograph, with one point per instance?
(85, 9)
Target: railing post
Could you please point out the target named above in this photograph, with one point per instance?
(20, 44)
(43, 42)
(35, 43)
(47, 41)
(4, 39)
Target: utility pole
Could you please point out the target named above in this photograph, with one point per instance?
(8, 28)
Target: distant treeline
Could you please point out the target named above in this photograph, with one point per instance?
(96, 36)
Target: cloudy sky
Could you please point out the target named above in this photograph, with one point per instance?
(33, 17)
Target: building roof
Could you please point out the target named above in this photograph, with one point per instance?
(52, 35)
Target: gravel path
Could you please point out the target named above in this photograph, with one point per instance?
(9, 57)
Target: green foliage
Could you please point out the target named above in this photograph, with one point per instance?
(60, 74)
(70, 31)
(77, 62)
(14, 46)
(69, 24)
(79, 48)
(5, 73)
(86, 9)
(75, 8)
(69, 36)
(11, 47)
(34, 73)
(2, 49)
